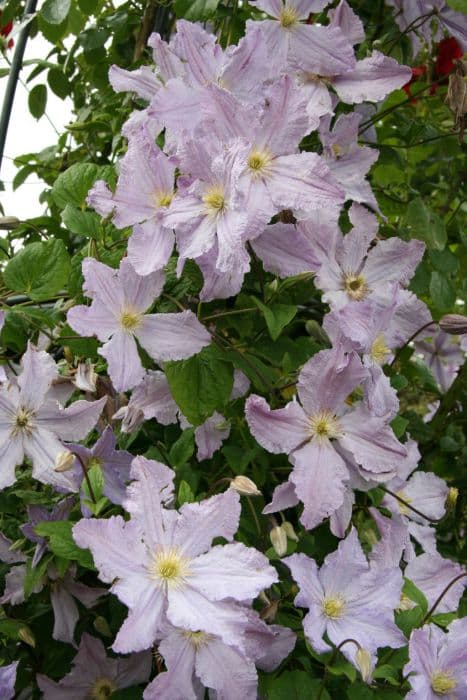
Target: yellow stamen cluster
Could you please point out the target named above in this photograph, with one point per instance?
(169, 567)
(355, 286)
(379, 350)
(130, 320)
(197, 639)
(442, 682)
(333, 607)
(214, 200)
(258, 162)
(402, 507)
(324, 425)
(164, 199)
(288, 17)
(102, 689)
(22, 422)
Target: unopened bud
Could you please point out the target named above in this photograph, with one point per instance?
(455, 324)
(64, 461)
(317, 332)
(289, 531)
(245, 486)
(269, 612)
(364, 664)
(405, 603)
(452, 497)
(26, 636)
(279, 540)
(102, 626)
(85, 377)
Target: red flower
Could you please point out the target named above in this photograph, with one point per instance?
(5, 30)
(417, 72)
(448, 51)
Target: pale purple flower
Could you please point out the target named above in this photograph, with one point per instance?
(350, 24)
(375, 330)
(326, 50)
(434, 16)
(195, 660)
(355, 271)
(117, 316)
(318, 434)
(432, 574)
(443, 355)
(9, 555)
(438, 662)
(348, 598)
(150, 399)
(8, 680)
(115, 466)
(285, 250)
(144, 191)
(32, 423)
(95, 675)
(39, 514)
(162, 566)
(210, 435)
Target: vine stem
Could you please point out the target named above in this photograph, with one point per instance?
(407, 505)
(441, 596)
(332, 659)
(414, 335)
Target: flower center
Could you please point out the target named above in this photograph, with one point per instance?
(197, 639)
(214, 200)
(442, 682)
(324, 425)
(170, 568)
(22, 422)
(258, 162)
(356, 286)
(403, 510)
(405, 603)
(333, 607)
(102, 689)
(164, 199)
(288, 17)
(379, 350)
(130, 320)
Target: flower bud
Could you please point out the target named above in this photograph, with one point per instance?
(455, 324)
(405, 603)
(289, 531)
(452, 497)
(85, 377)
(279, 540)
(245, 486)
(26, 636)
(364, 664)
(64, 461)
(102, 626)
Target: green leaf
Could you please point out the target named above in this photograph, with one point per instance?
(55, 11)
(61, 542)
(183, 448)
(200, 385)
(442, 292)
(426, 225)
(415, 594)
(399, 425)
(185, 494)
(458, 5)
(293, 685)
(407, 620)
(34, 574)
(83, 223)
(39, 270)
(58, 82)
(195, 10)
(72, 186)
(37, 100)
(277, 316)
(88, 7)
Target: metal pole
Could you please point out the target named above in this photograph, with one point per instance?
(16, 65)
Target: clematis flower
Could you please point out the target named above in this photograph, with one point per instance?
(354, 271)
(432, 574)
(162, 566)
(438, 662)
(196, 659)
(326, 50)
(317, 434)
(348, 598)
(115, 466)
(95, 675)
(144, 190)
(8, 680)
(429, 18)
(443, 355)
(33, 423)
(117, 316)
